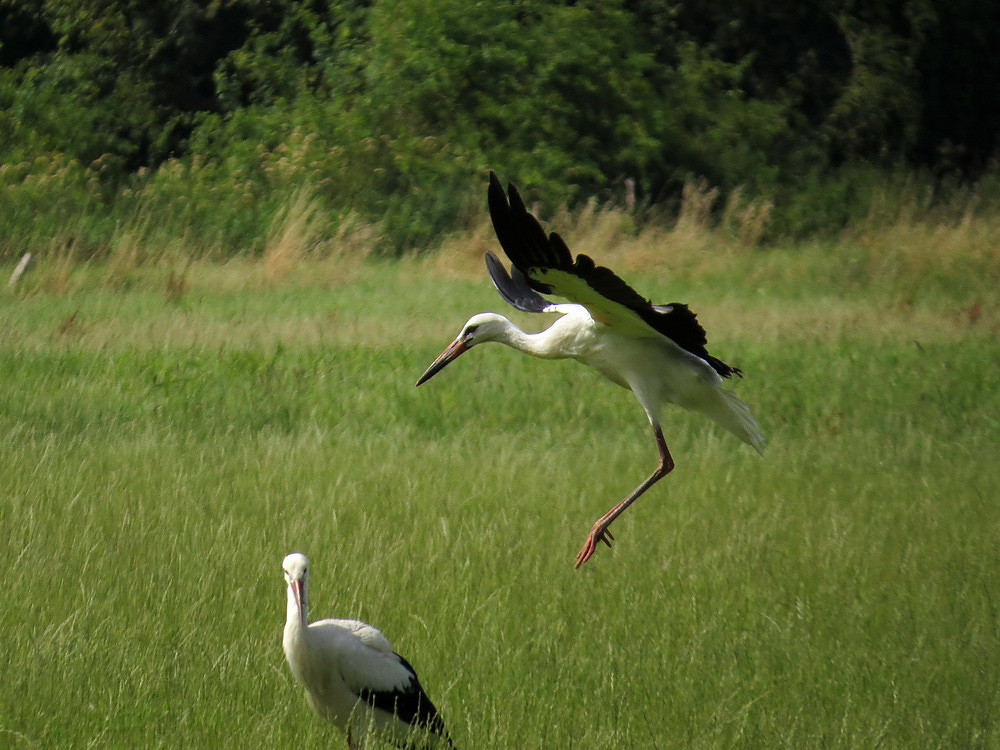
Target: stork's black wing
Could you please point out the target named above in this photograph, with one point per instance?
(548, 267)
(409, 703)
(515, 287)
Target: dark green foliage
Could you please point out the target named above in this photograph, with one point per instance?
(393, 111)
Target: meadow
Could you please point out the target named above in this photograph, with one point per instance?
(169, 430)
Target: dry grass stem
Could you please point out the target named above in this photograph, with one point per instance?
(126, 254)
(695, 215)
(746, 219)
(56, 268)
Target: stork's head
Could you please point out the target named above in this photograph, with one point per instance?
(296, 568)
(479, 328)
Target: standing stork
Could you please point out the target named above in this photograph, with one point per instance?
(352, 676)
(656, 351)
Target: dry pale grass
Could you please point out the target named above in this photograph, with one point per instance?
(55, 269)
(177, 282)
(461, 253)
(126, 254)
(695, 215)
(295, 228)
(906, 238)
(833, 319)
(302, 232)
(922, 246)
(746, 218)
(901, 275)
(406, 317)
(303, 246)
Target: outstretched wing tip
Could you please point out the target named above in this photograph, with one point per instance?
(513, 286)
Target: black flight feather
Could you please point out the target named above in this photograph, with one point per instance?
(409, 704)
(524, 241)
(514, 288)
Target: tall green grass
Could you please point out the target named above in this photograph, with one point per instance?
(161, 453)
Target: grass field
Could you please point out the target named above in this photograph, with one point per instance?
(166, 441)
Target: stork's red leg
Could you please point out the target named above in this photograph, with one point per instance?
(599, 532)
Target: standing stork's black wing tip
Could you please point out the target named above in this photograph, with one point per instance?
(409, 704)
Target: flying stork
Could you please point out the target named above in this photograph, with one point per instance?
(352, 676)
(656, 351)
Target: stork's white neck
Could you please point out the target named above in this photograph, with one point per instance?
(295, 640)
(547, 344)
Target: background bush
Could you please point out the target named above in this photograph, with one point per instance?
(208, 115)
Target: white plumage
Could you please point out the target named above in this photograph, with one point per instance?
(656, 351)
(352, 676)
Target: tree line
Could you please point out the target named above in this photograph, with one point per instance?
(393, 110)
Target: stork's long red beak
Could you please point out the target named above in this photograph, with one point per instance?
(451, 353)
(297, 591)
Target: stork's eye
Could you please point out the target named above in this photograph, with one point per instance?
(471, 330)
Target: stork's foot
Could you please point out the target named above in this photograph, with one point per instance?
(597, 534)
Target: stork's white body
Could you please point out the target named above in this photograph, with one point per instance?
(340, 662)
(654, 368)
(316, 655)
